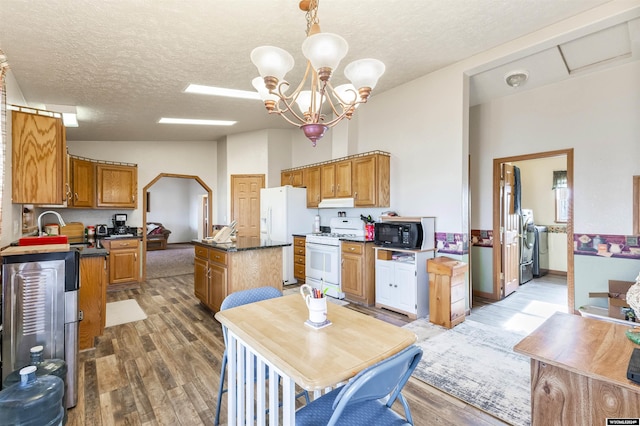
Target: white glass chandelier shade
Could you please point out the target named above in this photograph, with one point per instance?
(347, 94)
(272, 61)
(325, 50)
(265, 95)
(364, 72)
(304, 101)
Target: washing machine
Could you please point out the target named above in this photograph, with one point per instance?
(540, 251)
(527, 242)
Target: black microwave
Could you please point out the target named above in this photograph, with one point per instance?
(406, 235)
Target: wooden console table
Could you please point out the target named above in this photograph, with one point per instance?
(579, 371)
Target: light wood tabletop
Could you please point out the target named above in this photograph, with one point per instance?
(589, 347)
(314, 358)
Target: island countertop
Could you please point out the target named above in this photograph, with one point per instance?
(243, 244)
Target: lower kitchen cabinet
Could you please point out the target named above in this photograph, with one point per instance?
(210, 276)
(358, 272)
(124, 260)
(299, 258)
(402, 282)
(218, 272)
(92, 299)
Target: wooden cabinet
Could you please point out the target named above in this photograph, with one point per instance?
(117, 186)
(312, 182)
(402, 282)
(218, 273)
(358, 272)
(371, 181)
(293, 178)
(124, 260)
(299, 258)
(210, 276)
(335, 180)
(92, 300)
(83, 183)
(39, 159)
(365, 177)
(447, 302)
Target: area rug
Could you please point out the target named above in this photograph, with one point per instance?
(475, 363)
(176, 259)
(123, 311)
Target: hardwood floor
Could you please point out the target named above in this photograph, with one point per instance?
(165, 370)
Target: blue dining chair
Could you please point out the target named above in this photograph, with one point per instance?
(360, 402)
(233, 300)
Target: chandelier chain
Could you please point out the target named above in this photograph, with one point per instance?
(312, 15)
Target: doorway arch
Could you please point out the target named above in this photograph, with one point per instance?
(145, 206)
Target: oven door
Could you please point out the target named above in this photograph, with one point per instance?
(322, 263)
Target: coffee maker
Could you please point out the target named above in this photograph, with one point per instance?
(120, 224)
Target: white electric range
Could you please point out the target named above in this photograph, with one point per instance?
(323, 259)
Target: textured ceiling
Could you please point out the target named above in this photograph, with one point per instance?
(125, 63)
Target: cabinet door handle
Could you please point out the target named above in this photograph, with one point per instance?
(135, 256)
(338, 188)
(75, 195)
(355, 195)
(133, 198)
(390, 285)
(352, 248)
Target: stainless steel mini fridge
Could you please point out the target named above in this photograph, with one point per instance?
(40, 307)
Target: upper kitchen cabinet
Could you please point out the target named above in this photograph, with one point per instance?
(335, 180)
(312, 182)
(39, 156)
(83, 183)
(371, 180)
(294, 178)
(117, 185)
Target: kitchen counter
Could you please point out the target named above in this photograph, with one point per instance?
(351, 239)
(243, 244)
(86, 248)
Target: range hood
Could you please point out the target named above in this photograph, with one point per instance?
(336, 203)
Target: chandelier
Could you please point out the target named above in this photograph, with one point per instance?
(303, 106)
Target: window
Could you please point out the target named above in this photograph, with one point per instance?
(561, 195)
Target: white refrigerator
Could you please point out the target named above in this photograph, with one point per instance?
(284, 212)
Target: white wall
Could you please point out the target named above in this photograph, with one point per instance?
(175, 202)
(597, 116)
(536, 177)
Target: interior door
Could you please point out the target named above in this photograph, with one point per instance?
(510, 226)
(245, 204)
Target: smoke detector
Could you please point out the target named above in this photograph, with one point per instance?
(516, 78)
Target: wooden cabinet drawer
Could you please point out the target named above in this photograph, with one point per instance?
(299, 271)
(202, 252)
(218, 256)
(124, 244)
(299, 242)
(457, 309)
(299, 251)
(353, 248)
(299, 260)
(457, 293)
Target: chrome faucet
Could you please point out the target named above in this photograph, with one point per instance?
(60, 220)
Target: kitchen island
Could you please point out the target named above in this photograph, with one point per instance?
(222, 269)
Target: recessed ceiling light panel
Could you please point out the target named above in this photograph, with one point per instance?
(165, 120)
(221, 91)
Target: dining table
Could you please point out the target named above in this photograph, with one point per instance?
(271, 349)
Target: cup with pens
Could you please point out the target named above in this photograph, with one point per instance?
(316, 301)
